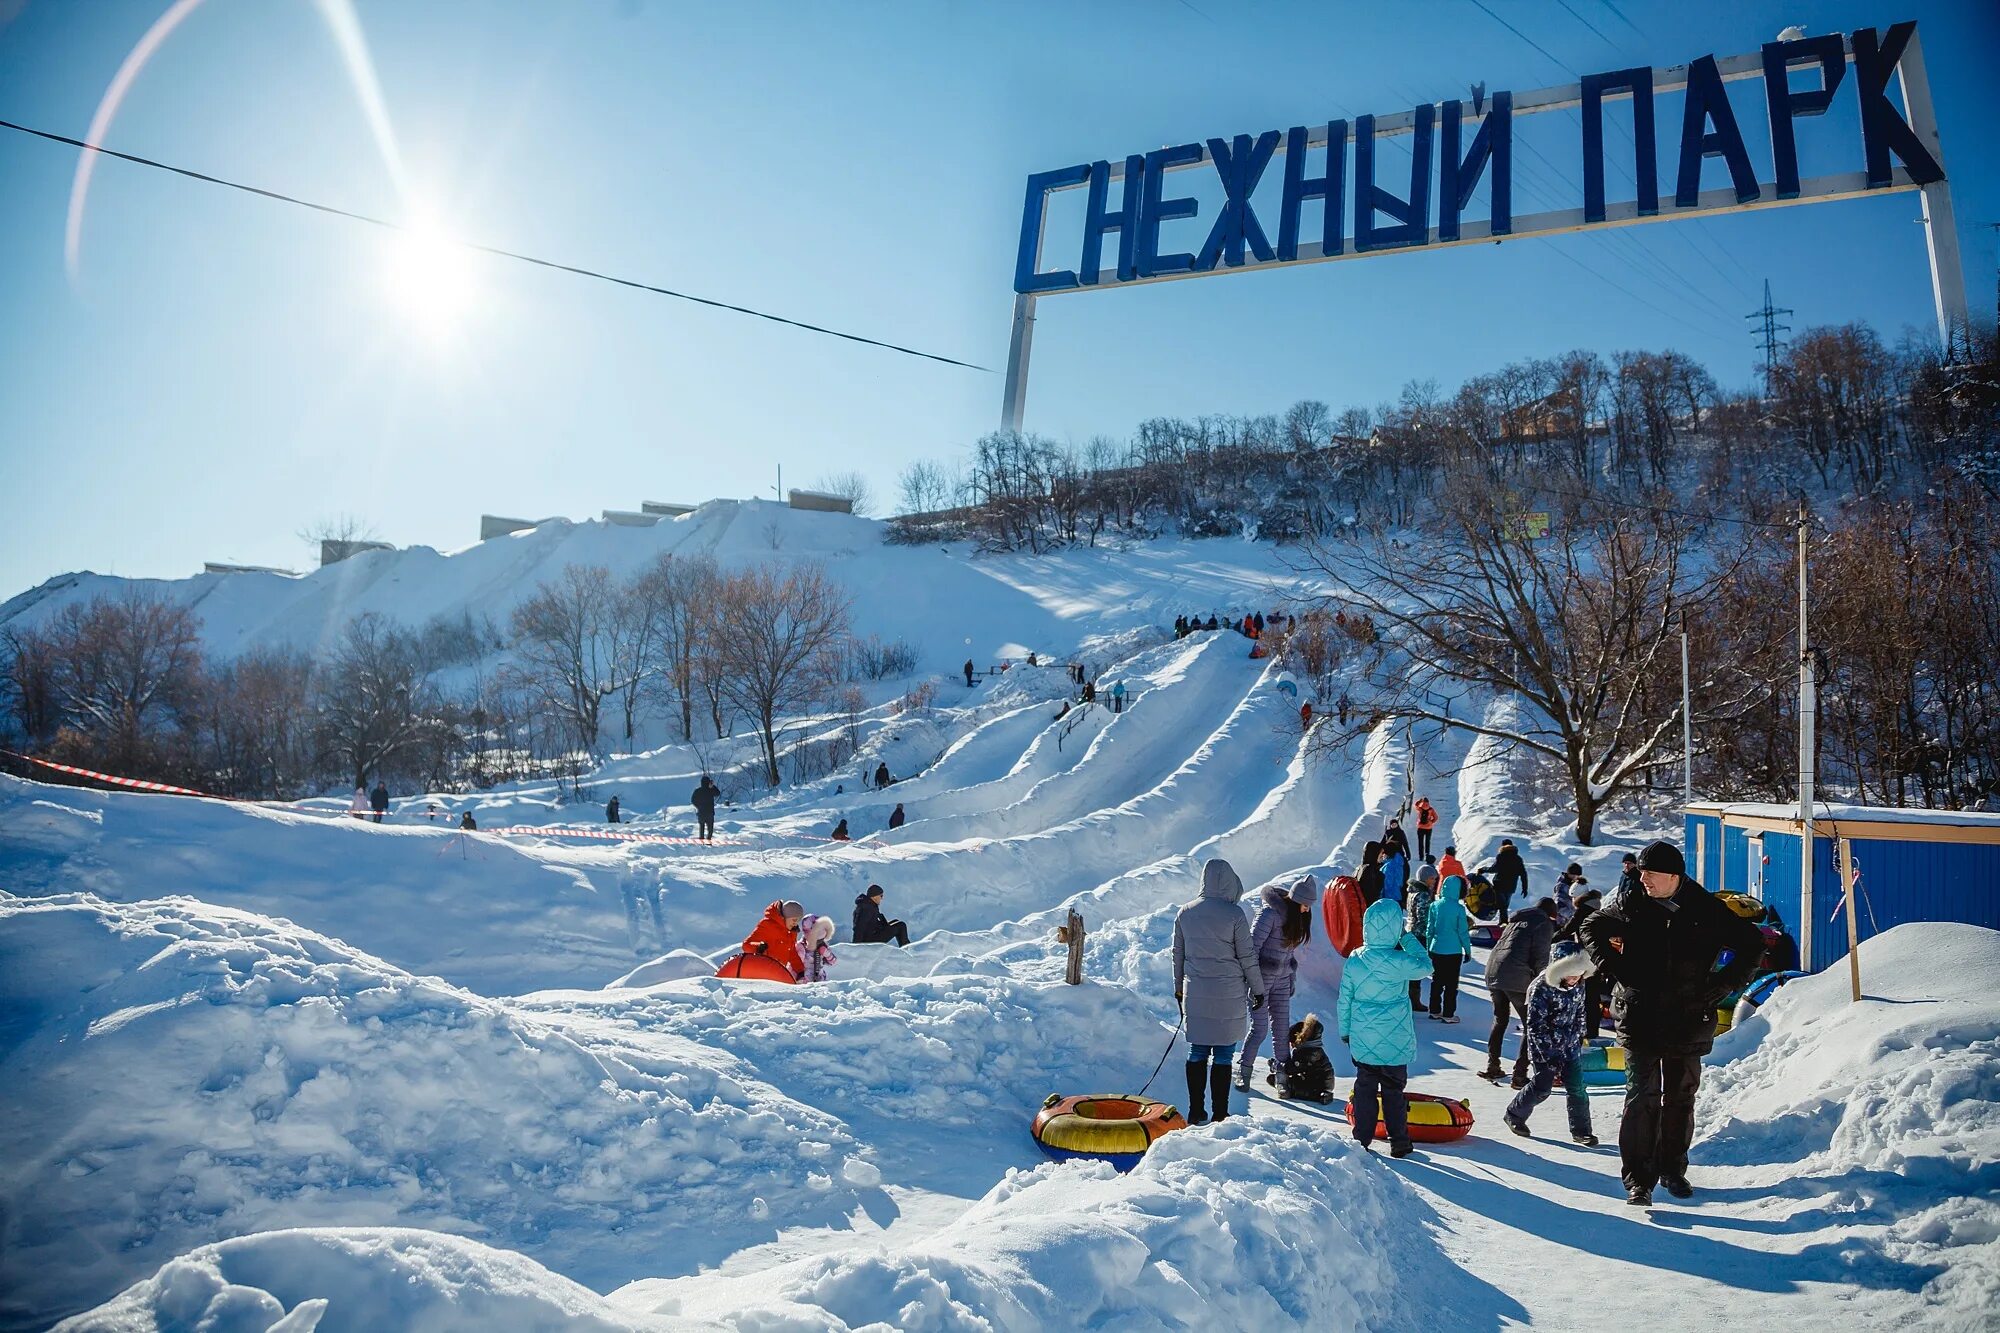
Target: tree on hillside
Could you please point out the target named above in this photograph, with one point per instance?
(1581, 625)
(849, 486)
(784, 638)
(573, 649)
(376, 699)
(124, 669)
(675, 605)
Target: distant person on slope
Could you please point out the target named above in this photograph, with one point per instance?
(1449, 864)
(1394, 837)
(358, 807)
(871, 926)
(703, 801)
(1517, 958)
(1395, 872)
(777, 937)
(1284, 923)
(1672, 950)
(1215, 966)
(815, 934)
(1554, 1040)
(1369, 878)
(611, 811)
(1375, 1022)
(468, 823)
(882, 778)
(1427, 822)
(1568, 885)
(1117, 696)
(896, 816)
(840, 833)
(1447, 933)
(1417, 900)
(968, 673)
(1508, 873)
(378, 800)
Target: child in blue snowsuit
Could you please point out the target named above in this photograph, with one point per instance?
(1555, 1040)
(1375, 1022)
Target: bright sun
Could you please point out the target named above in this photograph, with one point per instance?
(429, 279)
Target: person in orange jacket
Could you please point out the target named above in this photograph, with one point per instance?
(777, 936)
(1449, 864)
(1427, 820)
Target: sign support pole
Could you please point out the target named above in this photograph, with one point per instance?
(1014, 404)
(1940, 222)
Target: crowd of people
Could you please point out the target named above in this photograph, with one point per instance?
(1662, 949)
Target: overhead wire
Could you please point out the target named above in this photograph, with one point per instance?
(493, 250)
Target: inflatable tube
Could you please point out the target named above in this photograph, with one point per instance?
(1341, 906)
(1432, 1119)
(1760, 991)
(1103, 1127)
(1604, 1067)
(1485, 934)
(755, 967)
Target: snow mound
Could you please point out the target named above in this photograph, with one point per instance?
(1242, 1226)
(330, 1280)
(679, 965)
(178, 1073)
(1885, 1113)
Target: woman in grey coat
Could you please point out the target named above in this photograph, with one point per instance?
(1215, 965)
(1283, 924)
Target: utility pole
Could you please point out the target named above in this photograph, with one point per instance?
(1767, 337)
(1687, 720)
(1807, 707)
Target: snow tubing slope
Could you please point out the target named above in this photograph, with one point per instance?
(755, 967)
(1105, 1127)
(1433, 1119)
(1341, 905)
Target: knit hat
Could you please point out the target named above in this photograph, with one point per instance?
(1305, 890)
(1568, 961)
(1663, 856)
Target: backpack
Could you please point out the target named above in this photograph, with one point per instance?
(1341, 906)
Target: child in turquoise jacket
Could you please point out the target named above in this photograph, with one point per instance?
(1375, 1022)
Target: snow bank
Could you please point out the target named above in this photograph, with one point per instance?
(179, 1073)
(1885, 1113)
(1243, 1226)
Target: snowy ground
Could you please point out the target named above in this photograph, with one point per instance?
(267, 1069)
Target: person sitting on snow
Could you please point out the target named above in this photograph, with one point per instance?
(815, 933)
(777, 937)
(871, 927)
(1555, 1027)
(1309, 1074)
(896, 816)
(840, 833)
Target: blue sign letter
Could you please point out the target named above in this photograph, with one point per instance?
(1779, 57)
(1156, 210)
(1330, 187)
(1707, 103)
(1412, 218)
(1883, 130)
(1241, 165)
(1494, 142)
(1026, 280)
(1645, 163)
(1125, 222)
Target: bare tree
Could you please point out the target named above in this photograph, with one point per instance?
(125, 668)
(787, 628)
(376, 700)
(677, 596)
(1580, 624)
(573, 649)
(849, 486)
(342, 530)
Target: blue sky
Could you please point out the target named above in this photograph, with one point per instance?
(223, 371)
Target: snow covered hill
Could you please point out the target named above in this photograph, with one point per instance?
(268, 1069)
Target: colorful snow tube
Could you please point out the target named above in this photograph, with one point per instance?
(1604, 1066)
(755, 967)
(1433, 1119)
(1103, 1126)
(1341, 906)
(1486, 934)
(1760, 991)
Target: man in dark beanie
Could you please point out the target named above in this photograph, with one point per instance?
(1672, 950)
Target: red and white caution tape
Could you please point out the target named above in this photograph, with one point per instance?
(135, 784)
(611, 835)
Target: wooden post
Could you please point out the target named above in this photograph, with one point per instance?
(1072, 935)
(1847, 878)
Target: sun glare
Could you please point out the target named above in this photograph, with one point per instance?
(429, 280)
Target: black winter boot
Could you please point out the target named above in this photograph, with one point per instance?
(1197, 1076)
(1218, 1090)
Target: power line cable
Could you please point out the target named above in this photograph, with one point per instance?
(1621, 17)
(1481, 7)
(1588, 24)
(491, 249)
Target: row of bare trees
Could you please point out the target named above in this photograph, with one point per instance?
(1844, 412)
(120, 682)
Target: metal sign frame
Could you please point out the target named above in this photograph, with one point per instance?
(1237, 243)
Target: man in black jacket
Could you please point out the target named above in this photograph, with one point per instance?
(704, 807)
(1672, 950)
(871, 927)
(1507, 874)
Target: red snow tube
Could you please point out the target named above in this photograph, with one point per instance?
(1341, 905)
(754, 967)
(1432, 1119)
